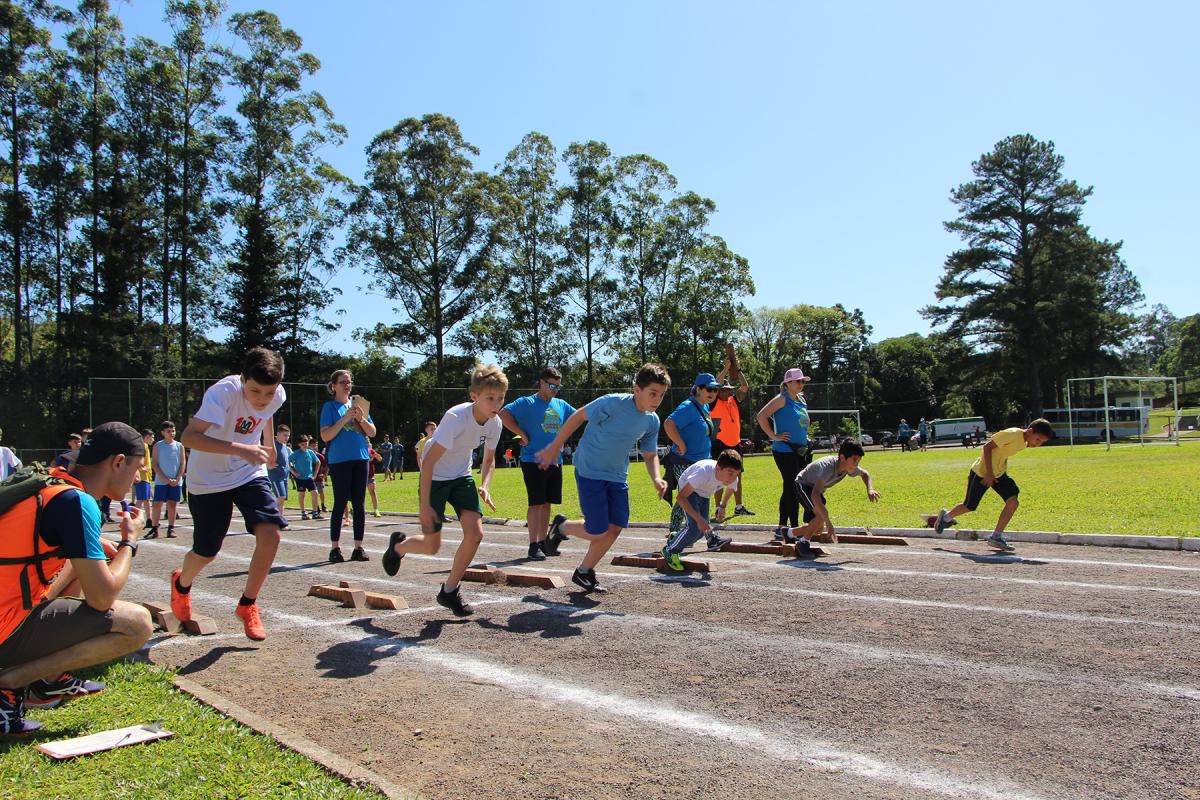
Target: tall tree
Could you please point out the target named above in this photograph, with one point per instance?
(590, 236)
(1009, 217)
(643, 186)
(425, 225)
(276, 143)
(525, 323)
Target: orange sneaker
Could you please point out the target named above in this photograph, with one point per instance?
(181, 604)
(251, 621)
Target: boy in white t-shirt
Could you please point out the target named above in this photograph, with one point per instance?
(446, 478)
(698, 483)
(232, 442)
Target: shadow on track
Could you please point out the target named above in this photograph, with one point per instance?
(988, 558)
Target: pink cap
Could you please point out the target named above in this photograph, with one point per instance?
(795, 374)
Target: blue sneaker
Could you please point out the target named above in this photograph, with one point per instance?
(997, 541)
(49, 694)
(12, 714)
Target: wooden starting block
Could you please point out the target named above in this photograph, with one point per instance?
(349, 597)
(387, 602)
(163, 618)
(774, 549)
(482, 573)
(860, 538)
(658, 562)
(200, 626)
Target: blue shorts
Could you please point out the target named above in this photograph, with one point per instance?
(604, 504)
(142, 490)
(167, 494)
(212, 513)
(280, 487)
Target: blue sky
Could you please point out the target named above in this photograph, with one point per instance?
(829, 135)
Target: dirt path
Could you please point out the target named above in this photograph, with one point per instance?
(933, 670)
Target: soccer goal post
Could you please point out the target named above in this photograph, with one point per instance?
(1121, 407)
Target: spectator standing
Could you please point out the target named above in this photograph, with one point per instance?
(346, 429)
(9, 463)
(785, 421)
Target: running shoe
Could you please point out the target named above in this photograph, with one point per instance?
(181, 604)
(151, 532)
(377, 515)
(454, 602)
(358, 554)
(555, 537)
(391, 559)
(303, 515)
(316, 515)
(170, 531)
(50, 694)
(587, 580)
(12, 714)
(251, 622)
(672, 560)
(804, 549)
(997, 541)
(535, 552)
(742, 511)
(335, 556)
(718, 542)
(940, 523)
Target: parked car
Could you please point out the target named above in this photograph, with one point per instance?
(636, 455)
(885, 438)
(824, 442)
(866, 439)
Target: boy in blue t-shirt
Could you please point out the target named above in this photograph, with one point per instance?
(303, 465)
(536, 419)
(278, 474)
(617, 422)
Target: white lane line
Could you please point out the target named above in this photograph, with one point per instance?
(791, 747)
(1018, 612)
(1087, 562)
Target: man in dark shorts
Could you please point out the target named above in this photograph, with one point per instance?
(535, 419)
(43, 631)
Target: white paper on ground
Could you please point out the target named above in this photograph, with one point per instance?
(105, 740)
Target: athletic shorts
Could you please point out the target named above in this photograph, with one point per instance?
(719, 447)
(604, 503)
(806, 500)
(52, 626)
(1004, 486)
(305, 485)
(459, 493)
(542, 485)
(212, 513)
(142, 490)
(279, 487)
(166, 494)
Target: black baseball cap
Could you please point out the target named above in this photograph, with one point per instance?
(110, 439)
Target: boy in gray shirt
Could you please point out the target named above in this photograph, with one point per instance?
(811, 484)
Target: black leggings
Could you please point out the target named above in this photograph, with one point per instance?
(789, 502)
(349, 485)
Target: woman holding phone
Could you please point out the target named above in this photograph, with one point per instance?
(346, 428)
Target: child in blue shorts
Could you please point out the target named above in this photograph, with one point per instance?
(616, 422)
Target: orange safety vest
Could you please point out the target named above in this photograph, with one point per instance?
(28, 563)
(730, 414)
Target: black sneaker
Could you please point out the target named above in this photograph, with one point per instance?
(587, 580)
(170, 531)
(535, 552)
(391, 559)
(12, 714)
(780, 534)
(742, 511)
(718, 542)
(50, 694)
(151, 532)
(454, 602)
(804, 549)
(335, 556)
(358, 554)
(555, 537)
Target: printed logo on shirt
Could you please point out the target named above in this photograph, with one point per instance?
(552, 421)
(245, 425)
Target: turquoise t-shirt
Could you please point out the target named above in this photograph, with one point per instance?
(614, 426)
(541, 421)
(349, 444)
(304, 462)
(793, 419)
(696, 427)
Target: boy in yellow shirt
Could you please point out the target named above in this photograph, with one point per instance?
(990, 470)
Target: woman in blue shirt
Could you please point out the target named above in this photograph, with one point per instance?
(787, 415)
(346, 429)
(691, 431)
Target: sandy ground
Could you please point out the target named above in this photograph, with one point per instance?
(935, 670)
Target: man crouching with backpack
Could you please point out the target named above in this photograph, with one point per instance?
(50, 540)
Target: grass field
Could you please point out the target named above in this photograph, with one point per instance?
(209, 756)
(1130, 490)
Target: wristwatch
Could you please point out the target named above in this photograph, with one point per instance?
(132, 545)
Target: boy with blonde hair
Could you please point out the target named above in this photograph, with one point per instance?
(446, 479)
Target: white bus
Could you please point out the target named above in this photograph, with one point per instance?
(1125, 422)
(954, 429)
